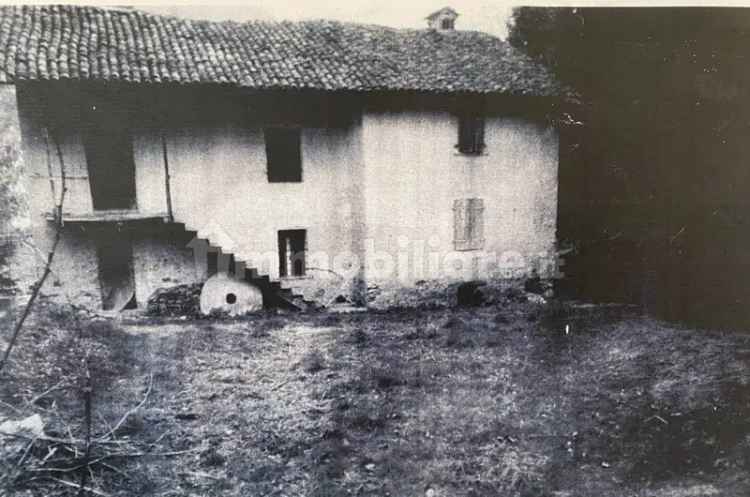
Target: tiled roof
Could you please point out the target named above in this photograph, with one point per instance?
(89, 43)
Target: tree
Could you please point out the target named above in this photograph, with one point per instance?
(11, 193)
(657, 184)
(11, 197)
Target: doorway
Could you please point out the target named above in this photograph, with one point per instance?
(292, 253)
(116, 278)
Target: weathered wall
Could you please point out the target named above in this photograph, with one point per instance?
(40, 134)
(221, 190)
(161, 259)
(413, 175)
(42, 131)
(215, 154)
(160, 255)
(74, 278)
(376, 197)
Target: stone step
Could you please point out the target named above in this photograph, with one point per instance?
(272, 289)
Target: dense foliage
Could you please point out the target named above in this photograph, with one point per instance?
(653, 185)
(11, 198)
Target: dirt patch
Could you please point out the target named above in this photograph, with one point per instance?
(515, 399)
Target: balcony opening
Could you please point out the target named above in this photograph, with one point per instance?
(108, 146)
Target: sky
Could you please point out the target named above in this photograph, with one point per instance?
(481, 15)
(490, 16)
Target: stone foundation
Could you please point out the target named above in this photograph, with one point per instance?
(160, 259)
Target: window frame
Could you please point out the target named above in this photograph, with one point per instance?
(471, 134)
(276, 170)
(468, 224)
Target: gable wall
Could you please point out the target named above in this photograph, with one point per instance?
(414, 174)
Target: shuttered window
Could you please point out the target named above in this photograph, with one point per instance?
(468, 223)
(470, 134)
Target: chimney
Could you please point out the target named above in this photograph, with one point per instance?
(442, 20)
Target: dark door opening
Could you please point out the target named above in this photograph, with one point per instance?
(292, 252)
(212, 262)
(108, 145)
(116, 280)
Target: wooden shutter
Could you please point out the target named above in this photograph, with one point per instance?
(459, 224)
(468, 224)
(475, 212)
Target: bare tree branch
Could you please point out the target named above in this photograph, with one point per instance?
(48, 265)
(130, 412)
(53, 388)
(87, 391)
(79, 487)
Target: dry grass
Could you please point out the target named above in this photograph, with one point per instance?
(482, 402)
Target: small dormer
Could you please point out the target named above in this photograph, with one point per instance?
(443, 19)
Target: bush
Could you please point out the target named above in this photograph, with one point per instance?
(457, 334)
(359, 337)
(387, 377)
(313, 361)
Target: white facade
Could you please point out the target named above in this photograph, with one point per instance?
(377, 202)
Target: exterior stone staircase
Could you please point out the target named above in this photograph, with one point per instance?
(216, 241)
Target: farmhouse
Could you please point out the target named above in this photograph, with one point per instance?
(314, 161)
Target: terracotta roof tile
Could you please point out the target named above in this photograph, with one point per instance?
(90, 43)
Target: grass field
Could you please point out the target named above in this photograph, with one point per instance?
(491, 401)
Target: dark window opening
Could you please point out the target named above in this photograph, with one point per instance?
(470, 134)
(292, 253)
(108, 146)
(231, 298)
(283, 156)
(446, 24)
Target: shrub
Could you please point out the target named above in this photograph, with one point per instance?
(387, 377)
(359, 337)
(313, 361)
(457, 334)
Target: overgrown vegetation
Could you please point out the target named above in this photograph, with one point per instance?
(11, 202)
(652, 161)
(496, 400)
